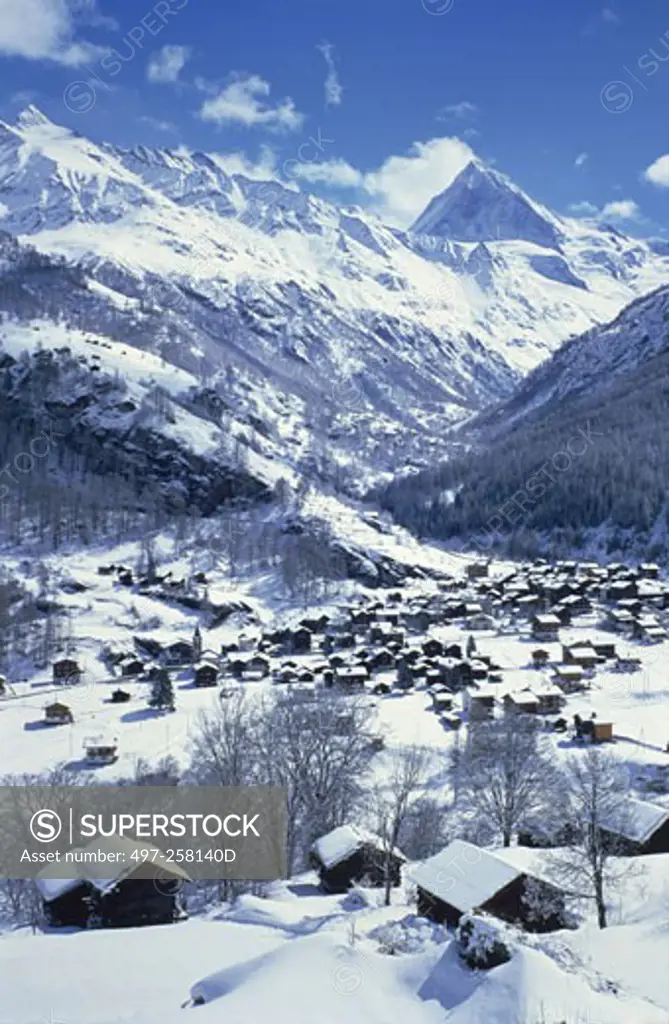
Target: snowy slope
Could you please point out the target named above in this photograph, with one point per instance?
(419, 326)
(597, 359)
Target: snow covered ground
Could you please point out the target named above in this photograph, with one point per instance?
(299, 957)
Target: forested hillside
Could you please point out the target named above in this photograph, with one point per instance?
(593, 464)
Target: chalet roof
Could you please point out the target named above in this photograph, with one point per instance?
(569, 671)
(547, 620)
(339, 844)
(523, 697)
(638, 820)
(464, 876)
(158, 866)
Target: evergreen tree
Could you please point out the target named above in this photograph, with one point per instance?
(162, 692)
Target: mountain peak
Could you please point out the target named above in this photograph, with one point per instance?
(483, 205)
(32, 117)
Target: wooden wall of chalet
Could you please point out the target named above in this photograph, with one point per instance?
(365, 863)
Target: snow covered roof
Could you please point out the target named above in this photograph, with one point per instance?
(637, 820)
(342, 842)
(156, 866)
(464, 875)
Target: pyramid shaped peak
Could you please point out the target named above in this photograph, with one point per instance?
(483, 205)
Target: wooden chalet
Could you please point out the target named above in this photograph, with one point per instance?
(569, 678)
(550, 698)
(349, 854)
(546, 628)
(134, 893)
(352, 678)
(67, 671)
(522, 702)
(300, 640)
(479, 704)
(464, 878)
(206, 674)
(638, 828)
(477, 570)
(101, 750)
(582, 654)
(251, 668)
(58, 714)
(131, 665)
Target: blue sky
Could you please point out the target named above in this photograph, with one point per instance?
(570, 99)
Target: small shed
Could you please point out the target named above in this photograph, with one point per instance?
(602, 732)
(120, 696)
(101, 750)
(206, 674)
(546, 628)
(349, 854)
(66, 671)
(58, 714)
(131, 666)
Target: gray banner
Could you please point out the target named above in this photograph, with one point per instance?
(104, 832)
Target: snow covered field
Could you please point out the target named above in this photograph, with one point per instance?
(291, 958)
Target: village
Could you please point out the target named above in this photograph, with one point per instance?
(575, 647)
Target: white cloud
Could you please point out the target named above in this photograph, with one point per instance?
(581, 160)
(658, 172)
(583, 209)
(400, 189)
(458, 111)
(46, 30)
(617, 209)
(263, 169)
(335, 173)
(241, 102)
(167, 64)
(334, 90)
(402, 186)
(620, 209)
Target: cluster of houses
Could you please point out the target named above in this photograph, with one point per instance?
(382, 644)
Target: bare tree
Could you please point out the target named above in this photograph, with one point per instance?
(319, 753)
(222, 750)
(598, 816)
(408, 771)
(508, 776)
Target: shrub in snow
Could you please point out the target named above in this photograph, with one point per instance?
(360, 898)
(412, 935)
(482, 942)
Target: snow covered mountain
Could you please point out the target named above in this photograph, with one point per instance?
(376, 340)
(482, 205)
(589, 365)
